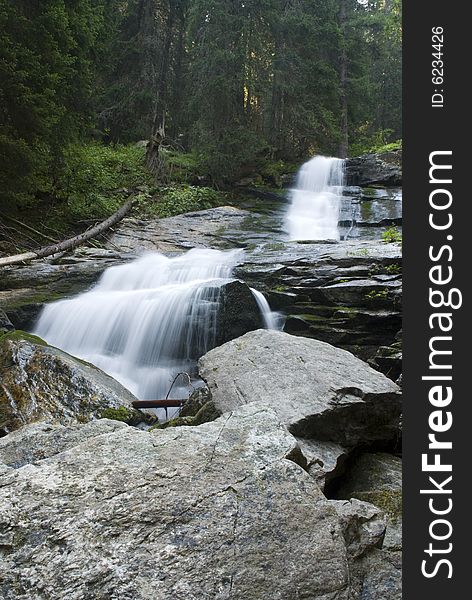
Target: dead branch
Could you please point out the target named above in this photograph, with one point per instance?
(73, 242)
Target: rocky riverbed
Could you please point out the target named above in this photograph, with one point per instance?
(281, 479)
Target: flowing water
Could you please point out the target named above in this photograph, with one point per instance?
(147, 320)
(313, 213)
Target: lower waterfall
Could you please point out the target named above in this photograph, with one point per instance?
(147, 320)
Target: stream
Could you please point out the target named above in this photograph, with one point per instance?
(147, 320)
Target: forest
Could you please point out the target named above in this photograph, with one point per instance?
(222, 88)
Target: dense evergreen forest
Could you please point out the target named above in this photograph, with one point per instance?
(222, 88)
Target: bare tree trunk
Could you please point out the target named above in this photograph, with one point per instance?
(344, 142)
(71, 243)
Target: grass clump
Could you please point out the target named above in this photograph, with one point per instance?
(392, 235)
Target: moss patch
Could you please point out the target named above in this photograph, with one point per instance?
(126, 415)
(18, 336)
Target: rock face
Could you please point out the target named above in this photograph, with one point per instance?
(318, 391)
(193, 513)
(346, 294)
(41, 383)
(375, 169)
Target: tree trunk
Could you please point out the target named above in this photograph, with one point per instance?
(344, 142)
(71, 243)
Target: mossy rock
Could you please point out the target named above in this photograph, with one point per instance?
(126, 415)
(22, 336)
(175, 422)
(207, 413)
(390, 501)
(42, 383)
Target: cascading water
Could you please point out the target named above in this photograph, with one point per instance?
(147, 320)
(315, 201)
(271, 319)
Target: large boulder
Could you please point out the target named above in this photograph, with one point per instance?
(375, 169)
(319, 391)
(41, 383)
(193, 513)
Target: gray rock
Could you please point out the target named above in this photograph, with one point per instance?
(377, 576)
(38, 441)
(198, 229)
(377, 478)
(346, 294)
(388, 359)
(193, 513)
(363, 525)
(324, 460)
(318, 391)
(41, 383)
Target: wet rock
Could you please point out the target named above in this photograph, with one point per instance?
(319, 391)
(346, 294)
(389, 359)
(187, 513)
(238, 312)
(5, 323)
(375, 169)
(41, 383)
(199, 229)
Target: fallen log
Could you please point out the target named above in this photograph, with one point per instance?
(73, 242)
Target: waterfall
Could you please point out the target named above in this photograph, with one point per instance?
(147, 320)
(271, 319)
(315, 201)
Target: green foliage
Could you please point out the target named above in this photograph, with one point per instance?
(375, 295)
(177, 200)
(92, 172)
(272, 171)
(239, 87)
(397, 145)
(392, 235)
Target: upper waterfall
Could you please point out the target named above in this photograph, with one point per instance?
(315, 201)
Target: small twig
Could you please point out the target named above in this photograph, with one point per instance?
(28, 227)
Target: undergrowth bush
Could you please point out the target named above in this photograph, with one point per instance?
(93, 173)
(177, 200)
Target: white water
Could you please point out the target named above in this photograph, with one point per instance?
(315, 201)
(271, 319)
(147, 320)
